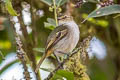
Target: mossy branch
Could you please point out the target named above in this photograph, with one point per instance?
(73, 62)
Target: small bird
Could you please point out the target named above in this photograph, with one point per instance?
(62, 40)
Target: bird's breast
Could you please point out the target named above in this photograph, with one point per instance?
(69, 42)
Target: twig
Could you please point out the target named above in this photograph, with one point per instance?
(34, 31)
(83, 45)
(55, 12)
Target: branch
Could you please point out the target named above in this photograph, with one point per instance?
(28, 46)
(34, 30)
(73, 62)
(21, 53)
(28, 43)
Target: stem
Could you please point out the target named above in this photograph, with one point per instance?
(34, 33)
(34, 30)
(55, 12)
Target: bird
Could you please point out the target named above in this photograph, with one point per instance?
(62, 40)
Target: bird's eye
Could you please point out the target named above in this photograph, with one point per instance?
(65, 16)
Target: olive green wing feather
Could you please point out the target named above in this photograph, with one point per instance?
(56, 35)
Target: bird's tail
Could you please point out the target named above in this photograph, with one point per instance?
(40, 62)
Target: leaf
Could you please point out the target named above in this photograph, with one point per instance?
(48, 2)
(48, 70)
(57, 77)
(101, 22)
(51, 21)
(7, 66)
(1, 54)
(58, 2)
(10, 9)
(112, 9)
(63, 73)
(49, 26)
(42, 50)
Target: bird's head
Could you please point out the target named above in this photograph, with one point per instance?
(64, 18)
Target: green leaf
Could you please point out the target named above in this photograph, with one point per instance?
(49, 26)
(51, 21)
(102, 23)
(7, 66)
(57, 77)
(58, 2)
(48, 2)
(10, 9)
(112, 9)
(1, 54)
(60, 74)
(42, 50)
(48, 70)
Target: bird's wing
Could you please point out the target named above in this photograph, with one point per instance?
(56, 35)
